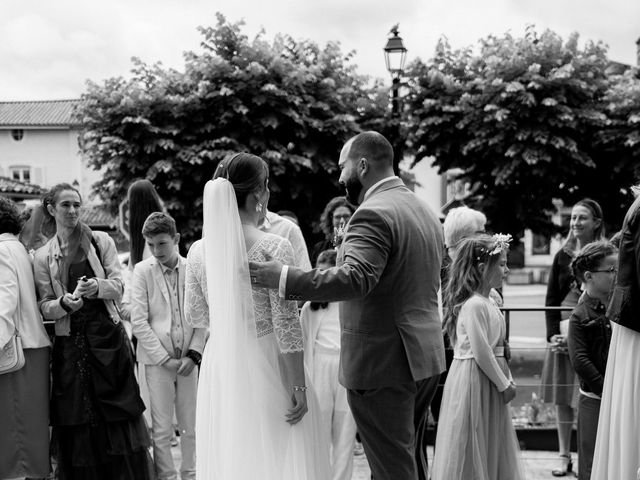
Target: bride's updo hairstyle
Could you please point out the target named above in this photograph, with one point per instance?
(247, 173)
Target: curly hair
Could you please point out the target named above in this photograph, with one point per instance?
(590, 257)
(466, 277)
(10, 221)
(326, 219)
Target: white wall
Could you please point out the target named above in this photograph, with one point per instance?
(429, 186)
(53, 155)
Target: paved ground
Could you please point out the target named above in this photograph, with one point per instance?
(537, 464)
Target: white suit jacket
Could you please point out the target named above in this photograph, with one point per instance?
(151, 314)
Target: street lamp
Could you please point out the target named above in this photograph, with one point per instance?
(395, 55)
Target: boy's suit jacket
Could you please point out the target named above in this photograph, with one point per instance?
(388, 278)
(151, 314)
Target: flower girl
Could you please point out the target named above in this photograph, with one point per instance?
(476, 438)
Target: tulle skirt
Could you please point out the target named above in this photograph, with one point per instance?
(476, 439)
(257, 442)
(106, 450)
(617, 451)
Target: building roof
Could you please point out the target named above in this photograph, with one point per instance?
(97, 216)
(45, 113)
(13, 188)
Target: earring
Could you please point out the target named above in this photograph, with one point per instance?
(258, 207)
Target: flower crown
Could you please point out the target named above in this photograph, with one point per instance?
(500, 243)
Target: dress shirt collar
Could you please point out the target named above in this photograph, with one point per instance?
(166, 269)
(373, 187)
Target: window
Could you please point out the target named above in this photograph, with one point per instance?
(17, 134)
(541, 245)
(21, 173)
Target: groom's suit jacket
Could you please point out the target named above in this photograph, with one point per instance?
(387, 278)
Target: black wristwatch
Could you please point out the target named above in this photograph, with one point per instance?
(195, 356)
(65, 307)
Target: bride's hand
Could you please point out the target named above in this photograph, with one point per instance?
(299, 409)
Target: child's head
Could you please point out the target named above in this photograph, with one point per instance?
(480, 264)
(595, 266)
(326, 259)
(159, 231)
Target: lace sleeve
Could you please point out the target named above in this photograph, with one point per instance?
(196, 307)
(286, 322)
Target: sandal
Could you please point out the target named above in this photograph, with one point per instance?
(567, 467)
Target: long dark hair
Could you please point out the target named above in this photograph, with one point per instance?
(465, 277)
(51, 198)
(143, 201)
(246, 172)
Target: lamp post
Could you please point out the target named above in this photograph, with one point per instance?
(395, 55)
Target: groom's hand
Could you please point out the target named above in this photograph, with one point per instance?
(265, 274)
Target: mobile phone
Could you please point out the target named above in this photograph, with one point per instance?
(81, 279)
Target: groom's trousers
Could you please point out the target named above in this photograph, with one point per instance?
(392, 424)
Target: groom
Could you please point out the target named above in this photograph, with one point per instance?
(387, 278)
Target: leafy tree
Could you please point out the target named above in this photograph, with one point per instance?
(617, 147)
(292, 102)
(518, 117)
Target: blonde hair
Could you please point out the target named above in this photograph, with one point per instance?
(571, 242)
(461, 223)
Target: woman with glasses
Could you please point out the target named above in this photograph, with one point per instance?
(333, 221)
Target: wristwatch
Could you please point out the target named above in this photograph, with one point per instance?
(195, 356)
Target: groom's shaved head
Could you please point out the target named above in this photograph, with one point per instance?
(372, 146)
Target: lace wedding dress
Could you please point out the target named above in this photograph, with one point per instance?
(241, 429)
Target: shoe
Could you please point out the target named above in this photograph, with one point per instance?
(358, 449)
(567, 464)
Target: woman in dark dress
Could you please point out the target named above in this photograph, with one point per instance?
(96, 410)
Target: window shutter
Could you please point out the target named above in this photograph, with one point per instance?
(38, 176)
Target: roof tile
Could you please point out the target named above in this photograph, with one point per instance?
(56, 113)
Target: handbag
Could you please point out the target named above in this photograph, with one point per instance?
(12, 355)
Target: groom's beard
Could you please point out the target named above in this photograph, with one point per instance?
(353, 188)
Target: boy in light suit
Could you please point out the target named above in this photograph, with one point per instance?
(167, 345)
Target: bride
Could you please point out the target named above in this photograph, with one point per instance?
(256, 417)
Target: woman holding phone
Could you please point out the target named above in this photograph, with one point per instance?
(96, 410)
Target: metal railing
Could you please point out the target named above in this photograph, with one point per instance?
(506, 310)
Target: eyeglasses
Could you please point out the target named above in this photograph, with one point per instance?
(606, 270)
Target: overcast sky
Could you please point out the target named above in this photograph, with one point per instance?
(48, 48)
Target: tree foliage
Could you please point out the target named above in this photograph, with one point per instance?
(525, 120)
(292, 102)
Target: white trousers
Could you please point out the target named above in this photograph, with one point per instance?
(335, 413)
(168, 390)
